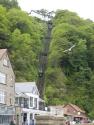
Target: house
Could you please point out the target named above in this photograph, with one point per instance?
(74, 113)
(7, 89)
(27, 97)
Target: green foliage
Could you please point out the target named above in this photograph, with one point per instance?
(76, 66)
(70, 75)
(9, 3)
(4, 27)
(23, 36)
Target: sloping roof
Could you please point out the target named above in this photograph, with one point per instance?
(26, 87)
(2, 51)
(79, 112)
(76, 108)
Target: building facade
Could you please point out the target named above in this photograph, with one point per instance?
(7, 89)
(74, 113)
(27, 97)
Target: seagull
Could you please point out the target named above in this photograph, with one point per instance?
(68, 50)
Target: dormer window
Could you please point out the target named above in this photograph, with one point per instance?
(5, 62)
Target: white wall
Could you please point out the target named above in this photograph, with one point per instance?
(34, 96)
(56, 111)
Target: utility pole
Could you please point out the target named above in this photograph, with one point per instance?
(43, 57)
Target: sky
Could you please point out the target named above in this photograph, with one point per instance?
(84, 8)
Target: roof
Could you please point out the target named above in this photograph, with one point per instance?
(76, 108)
(79, 112)
(2, 52)
(26, 87)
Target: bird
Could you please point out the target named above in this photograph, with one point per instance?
(68, 50)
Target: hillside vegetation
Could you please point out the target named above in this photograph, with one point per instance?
(69, 75)
(23, 36)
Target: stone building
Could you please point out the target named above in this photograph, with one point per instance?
(74, 113)
(7, 89)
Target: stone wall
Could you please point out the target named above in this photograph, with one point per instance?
(9, 86)
(18, 115)
(53, 120)
(49, 120)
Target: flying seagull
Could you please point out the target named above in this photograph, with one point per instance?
(68, 50)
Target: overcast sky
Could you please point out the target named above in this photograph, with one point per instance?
(84, 8)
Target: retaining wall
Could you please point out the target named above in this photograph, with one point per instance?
(49, 120)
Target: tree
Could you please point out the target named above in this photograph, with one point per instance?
(4, 28)
(76, 65)
(9, 3)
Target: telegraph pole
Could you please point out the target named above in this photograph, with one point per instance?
(43, 57)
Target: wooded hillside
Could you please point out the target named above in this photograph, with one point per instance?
(23, 36)
(69, 75)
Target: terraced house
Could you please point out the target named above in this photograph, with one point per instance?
(7, 89)
(27, 98)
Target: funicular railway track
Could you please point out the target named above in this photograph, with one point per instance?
(43, 56)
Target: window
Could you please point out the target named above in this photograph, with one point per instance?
(31, 101)
(16, 100)
(2, 78)
(31, 116)
(21, 101)
(10, 101)
(35, 102)
(2, 97)
(25, 102)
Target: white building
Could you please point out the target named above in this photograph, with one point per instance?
(27, 97)
(57, 110)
